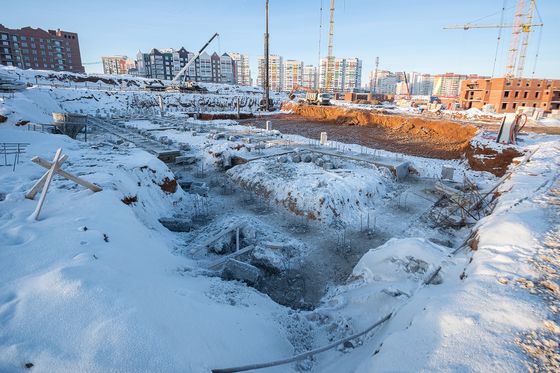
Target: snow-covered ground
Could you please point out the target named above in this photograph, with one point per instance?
(98, 284)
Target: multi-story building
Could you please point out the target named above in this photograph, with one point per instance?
(167, 63)
(507, 95)
(275, 72)
(448, 84)
(30, 48)
(242, 69)
(114, 65)
(352, 74)
(422, 84)
(385, 83)
(310, 77)
(336, 74)
(293, 74)
(228, 69)
(157, 64)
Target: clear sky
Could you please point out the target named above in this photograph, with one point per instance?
(407, 35)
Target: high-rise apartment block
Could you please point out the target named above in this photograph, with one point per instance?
(293, 74)
(243, 73)
(448, 84)
(275, 72)
(114, 65)
(345, 74)
(30, 48)
(310, 77)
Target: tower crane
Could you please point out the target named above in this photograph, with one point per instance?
(523, 23)
(329, 76)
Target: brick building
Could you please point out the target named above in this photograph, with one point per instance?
(30, 48)
(507, 95)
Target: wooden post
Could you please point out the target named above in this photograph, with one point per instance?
(69, 176)
(48, 180)
(39, 184)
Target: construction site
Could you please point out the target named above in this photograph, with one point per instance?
(204, 227)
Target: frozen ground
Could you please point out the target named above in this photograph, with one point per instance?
(99, 285)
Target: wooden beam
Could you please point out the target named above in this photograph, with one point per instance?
(48, 180)
(39, 184)
(224, 259)
(44, 163)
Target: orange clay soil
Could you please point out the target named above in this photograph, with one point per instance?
(414, 135)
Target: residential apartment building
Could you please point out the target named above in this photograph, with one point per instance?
(346, 74)
(293, 74)
(448, 84)
(114, 65)
(507, 95)
(385, 83)
(352, 74)
(422, 84)
(243, 69)
(155, 64)
(275, 72)
(167, 63)
(30, 48)
(310, 77)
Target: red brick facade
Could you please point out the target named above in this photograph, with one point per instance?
(30, 48)
(508, 95)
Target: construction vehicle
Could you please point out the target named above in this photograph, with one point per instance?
(184, 85)
(312, 96)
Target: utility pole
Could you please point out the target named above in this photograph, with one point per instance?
(265, 104)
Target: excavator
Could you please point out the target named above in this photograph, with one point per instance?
(184, 85)
(312, 96)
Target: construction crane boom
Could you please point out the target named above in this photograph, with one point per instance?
(523, 24)
(193, 58)
(525, 42)
(469, 26)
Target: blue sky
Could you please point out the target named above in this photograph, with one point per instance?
(407, 35)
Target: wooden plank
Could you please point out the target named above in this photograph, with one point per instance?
(231, 256)
(223, 233)
(39, 184)
(44, 163)
(50, 175)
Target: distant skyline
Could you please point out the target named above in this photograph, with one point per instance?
(407, 35)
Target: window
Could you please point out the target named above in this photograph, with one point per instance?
(534, 105)
(506, 94)
(14, 37)
(4, 36)
(516, 94)
(523, 104)
(504, 106)
(514, 105)
(536, 94)
(525, 94)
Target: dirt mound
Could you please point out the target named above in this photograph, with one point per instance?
(490, 160)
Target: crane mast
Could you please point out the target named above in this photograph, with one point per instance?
(514, 41)
(329, 76)
(525, 42)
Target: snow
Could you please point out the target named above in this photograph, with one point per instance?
(72, 302)
(99, 285)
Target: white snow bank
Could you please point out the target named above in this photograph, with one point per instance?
(90, 287)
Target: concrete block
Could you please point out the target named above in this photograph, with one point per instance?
(176, 224)
(236, 270)
(447, 172)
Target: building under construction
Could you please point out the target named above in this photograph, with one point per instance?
(508, 95)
